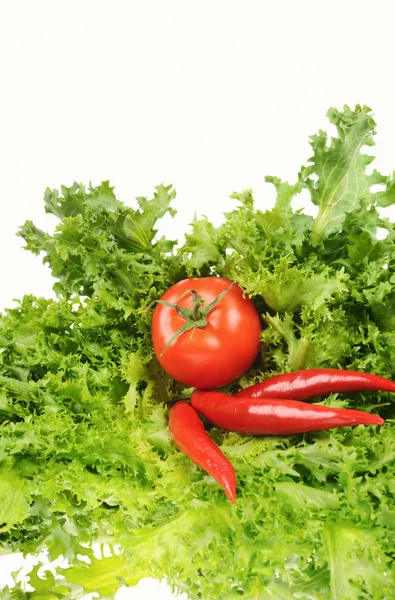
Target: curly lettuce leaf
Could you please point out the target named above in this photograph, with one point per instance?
(341, 184)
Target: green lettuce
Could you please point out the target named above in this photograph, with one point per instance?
(85, 455)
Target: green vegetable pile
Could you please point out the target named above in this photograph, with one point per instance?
(85, 454)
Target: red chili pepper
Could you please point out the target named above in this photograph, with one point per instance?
(302, 385)
(189, 435)
(259, 416)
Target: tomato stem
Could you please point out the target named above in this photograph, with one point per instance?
(197, 304)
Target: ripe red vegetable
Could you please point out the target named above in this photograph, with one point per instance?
(205, 332)
(310, 383)
(189, 435)
(259, 416)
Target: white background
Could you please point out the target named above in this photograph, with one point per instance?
(207, 95)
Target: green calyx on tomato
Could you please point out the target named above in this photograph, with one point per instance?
(195, 316)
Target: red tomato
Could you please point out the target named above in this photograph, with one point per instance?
(213, 355)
